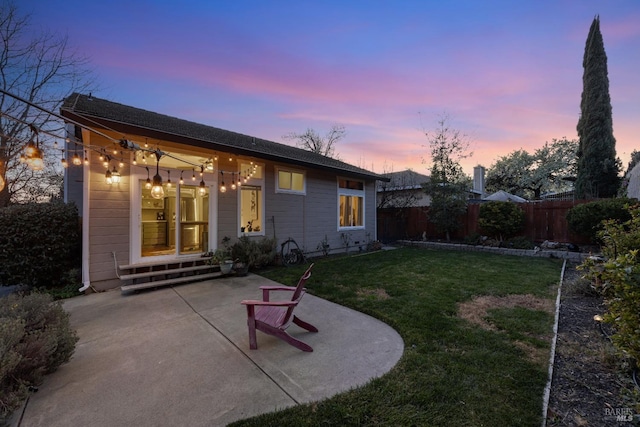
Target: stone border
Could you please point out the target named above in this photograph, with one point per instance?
(541, 253)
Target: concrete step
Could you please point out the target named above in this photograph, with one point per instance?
(166, 271)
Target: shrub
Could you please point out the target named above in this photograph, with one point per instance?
(253, 253)
(519, 242)
(35, 339)
(39, 243)
(619, 281)
(586, 219)
(473, 239)
(500, 219)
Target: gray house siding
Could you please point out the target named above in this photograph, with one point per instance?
(109, 209)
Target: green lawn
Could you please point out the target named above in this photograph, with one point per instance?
(453, 372)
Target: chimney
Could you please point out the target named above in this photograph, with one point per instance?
(478, 180)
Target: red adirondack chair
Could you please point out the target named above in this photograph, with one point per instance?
(274, 317)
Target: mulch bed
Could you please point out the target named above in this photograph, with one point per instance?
(590, 385)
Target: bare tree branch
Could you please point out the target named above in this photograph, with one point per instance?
(41, 68)
(312, 141)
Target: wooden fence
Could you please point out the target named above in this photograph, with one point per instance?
(545, 220)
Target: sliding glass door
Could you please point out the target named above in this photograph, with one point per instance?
(175, 224)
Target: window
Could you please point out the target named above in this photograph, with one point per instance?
(251, 203)
(351, 203)
(290, 181)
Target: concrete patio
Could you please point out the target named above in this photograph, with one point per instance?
(180, 356)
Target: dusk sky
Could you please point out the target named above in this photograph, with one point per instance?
(508, 73)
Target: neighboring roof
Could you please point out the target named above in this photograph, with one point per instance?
(90, 110)
(404, 180)
(503, 196)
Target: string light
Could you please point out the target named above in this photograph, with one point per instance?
(115, 176)
(202, 189)
(108, 177)
(157, 192)
(169, 179)
(33, 153)
(223, 189)
(233, 181)
(181, 180)
(63, 160)
(147, 184)
(76, 160)
(86, 159)
(193, 175)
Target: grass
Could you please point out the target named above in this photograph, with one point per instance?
(453, 372)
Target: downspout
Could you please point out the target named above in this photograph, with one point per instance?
(86, 283)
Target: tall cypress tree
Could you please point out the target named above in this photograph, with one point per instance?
(598, 167)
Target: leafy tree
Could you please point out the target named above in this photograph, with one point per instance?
(500, 219)
(448, 186)
(598, 167)
(549, 168)
(586, 219)
(311, 140)
(40, 68)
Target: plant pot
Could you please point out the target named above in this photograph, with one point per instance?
(226, 266)
(241, 268)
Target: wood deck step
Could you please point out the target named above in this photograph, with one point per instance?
(175, 261)
(167, 282)
(166, 271)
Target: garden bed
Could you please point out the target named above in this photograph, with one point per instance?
(591, 386)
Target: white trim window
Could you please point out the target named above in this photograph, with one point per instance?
(350, 204)
(290, 181)
(251, 211)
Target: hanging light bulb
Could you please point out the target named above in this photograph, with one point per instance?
(239, 181)
(181, 179)
(201, 171)
(33, 154)
(148, 184)
(193, 175)
(86, 159)
(157, 192)
(108, 177)
(169, 179)
(223, 189)
(233, 182)
(63, 160)
(76, 160)
(115, 176)
(202, 188)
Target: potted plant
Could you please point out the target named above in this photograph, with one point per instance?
(222, 257)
